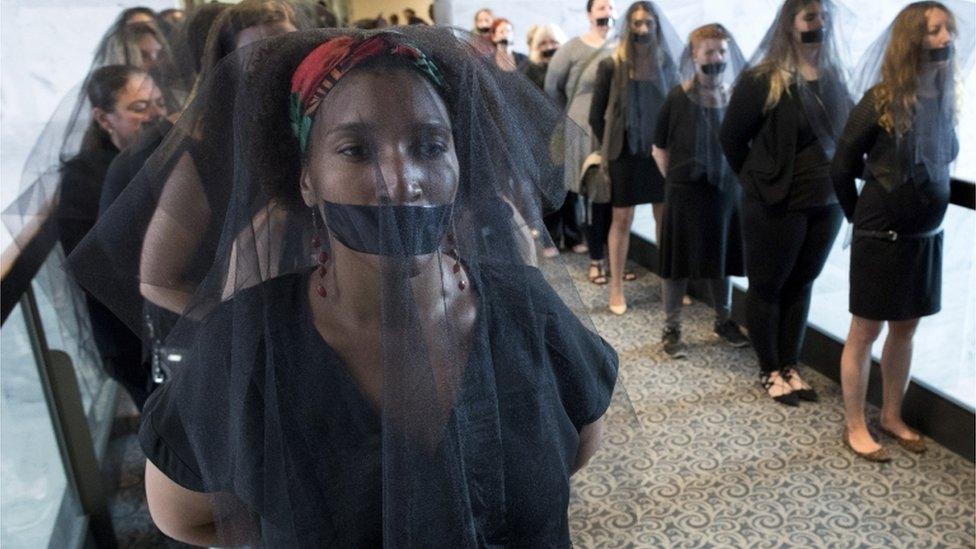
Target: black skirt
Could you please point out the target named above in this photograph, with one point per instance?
(898, 280)
(701, 236)
(634, 180)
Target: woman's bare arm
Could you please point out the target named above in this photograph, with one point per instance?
(661, 159)
(590, 437)
(181, 514)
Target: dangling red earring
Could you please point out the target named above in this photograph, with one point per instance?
(456, 269)
(323, 260)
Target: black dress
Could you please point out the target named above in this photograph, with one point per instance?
(546, 394)
(897, 279)
(701, 236)
(634, 178)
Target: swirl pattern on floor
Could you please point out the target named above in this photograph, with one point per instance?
(695, 454)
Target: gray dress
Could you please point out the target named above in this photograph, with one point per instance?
(575, 64)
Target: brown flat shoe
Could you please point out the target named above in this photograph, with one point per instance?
(880, 455)
(916, 446)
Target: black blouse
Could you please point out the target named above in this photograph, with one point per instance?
(897, 194)
(536, 72)
(775, 153)
(81, 186)
(545, 393)
(677, 131)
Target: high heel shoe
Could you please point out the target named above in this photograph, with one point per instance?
(880, 455)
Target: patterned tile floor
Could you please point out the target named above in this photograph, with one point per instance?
(696, 456)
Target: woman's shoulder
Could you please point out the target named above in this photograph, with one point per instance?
(278, 294)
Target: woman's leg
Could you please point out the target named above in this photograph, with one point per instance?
(896, 362)
(855, 367)
(772, 244)
(821, 229)
(618, 242)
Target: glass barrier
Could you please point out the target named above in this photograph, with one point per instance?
(35, 501)
(64, 315)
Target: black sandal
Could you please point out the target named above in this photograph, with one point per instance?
(600, 279)
(789, 399)
(807, 393)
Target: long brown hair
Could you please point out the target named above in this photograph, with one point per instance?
(896, 94)
(625, 46)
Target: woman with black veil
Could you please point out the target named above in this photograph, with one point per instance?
(630, 88)
(700, 233)
(904, 125)
(363, 366)
(124, 101)
(779, 134)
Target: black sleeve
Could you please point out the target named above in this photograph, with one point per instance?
(76, 208)
(663, 127)
(173, 426)
(860, 133)
(584, 364)
(601, 97)
(743, 119)
(163, 440)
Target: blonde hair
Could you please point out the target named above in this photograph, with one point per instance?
(895, 96)
(540, 33)
(780, 62)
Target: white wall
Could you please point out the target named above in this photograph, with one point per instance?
(45, 49)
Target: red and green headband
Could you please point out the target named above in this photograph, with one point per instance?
(319, 72)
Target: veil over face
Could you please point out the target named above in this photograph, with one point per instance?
(709, 67)
(814, 29)
(370, 340)
(922, 67)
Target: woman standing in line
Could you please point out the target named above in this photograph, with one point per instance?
(506, 58)
(701, 237)
(905, 125)
(569, 81)
(628, 93)
(779, 133)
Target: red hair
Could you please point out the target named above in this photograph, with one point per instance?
(499, 22)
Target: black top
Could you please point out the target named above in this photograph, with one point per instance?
(677, 131)
(536, 72)
(548, 388)
(81, 187)
(897, 194)
(127, 164)
(775, 153)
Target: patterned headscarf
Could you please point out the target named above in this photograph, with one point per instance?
(319, 72)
